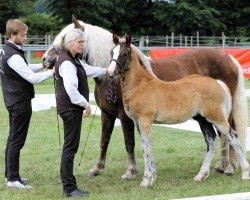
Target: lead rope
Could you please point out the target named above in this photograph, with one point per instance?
(87, 136)
(111, 93)
(58, 128)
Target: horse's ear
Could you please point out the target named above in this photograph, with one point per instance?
(128, 39)
(77, 24)
(115, 38)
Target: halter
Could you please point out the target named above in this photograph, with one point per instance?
(57, 49)
(125, 67)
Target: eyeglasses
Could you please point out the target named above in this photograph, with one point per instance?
(79, 42)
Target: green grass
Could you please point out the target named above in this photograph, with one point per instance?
(177, 154)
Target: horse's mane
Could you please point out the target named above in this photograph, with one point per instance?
(144, 60)
(97, 46)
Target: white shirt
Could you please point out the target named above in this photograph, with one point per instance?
(68, 72)
(27, 72)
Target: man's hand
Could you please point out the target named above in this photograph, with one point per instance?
(87, 112)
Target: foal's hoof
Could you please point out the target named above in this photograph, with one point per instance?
(145, 184)
(200, 177)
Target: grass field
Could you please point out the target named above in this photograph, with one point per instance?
(177, 154)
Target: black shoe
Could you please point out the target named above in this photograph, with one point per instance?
(76, 193)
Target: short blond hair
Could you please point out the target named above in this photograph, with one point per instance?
(14, 26)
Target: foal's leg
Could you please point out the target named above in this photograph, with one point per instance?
(108, 122)
(144, 129)
(129, 138)
(210, 136)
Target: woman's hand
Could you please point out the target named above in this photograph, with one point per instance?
(87, 112)
(111, 68)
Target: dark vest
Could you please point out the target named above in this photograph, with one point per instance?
(63, 102)
(15, 88)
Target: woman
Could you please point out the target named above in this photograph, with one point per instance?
(72, 96)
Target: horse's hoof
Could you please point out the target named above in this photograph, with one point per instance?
(127, 177)
(93, 174)
(219, 171)
(245, 176)
(144, 184)
(130, 174)
(198, 178)
(147, 181)
(220, 167)
(229, 170)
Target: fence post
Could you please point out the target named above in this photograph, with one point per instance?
(49, 39)
(147, 40)
(172, 39)
(191, 41)
(180, 40)
(142, 40)
(223, 39)
(197, 39)
(166, 40)
(235, 41)
(28, 56)
(1, 39)
(185, 41)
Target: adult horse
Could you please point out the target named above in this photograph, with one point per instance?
(180, 100)
(209, 62)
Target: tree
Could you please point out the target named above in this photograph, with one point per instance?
(41, 24)
(187, 17)
(93, 12)
(14, 9)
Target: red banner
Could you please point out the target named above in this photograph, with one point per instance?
(242, 55)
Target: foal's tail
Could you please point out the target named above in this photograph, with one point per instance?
(240, 111)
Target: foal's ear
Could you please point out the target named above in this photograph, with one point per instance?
(115, 38)
(128, 39)
(77, 24)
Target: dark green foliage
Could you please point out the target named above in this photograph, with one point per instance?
(14, 9)
(41, 24)
(139, 17)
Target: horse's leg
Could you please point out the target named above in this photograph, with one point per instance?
(235, 143)
(210, 136)
(129, 138)
(206, 127)
(233, 162)
(222, 164)
(228, 162)
(144, 129)
(108, 122)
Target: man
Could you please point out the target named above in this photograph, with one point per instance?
(17, 78)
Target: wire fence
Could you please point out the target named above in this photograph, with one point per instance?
(160, 41)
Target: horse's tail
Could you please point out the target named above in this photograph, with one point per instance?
(240, 111)
(228, 98)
